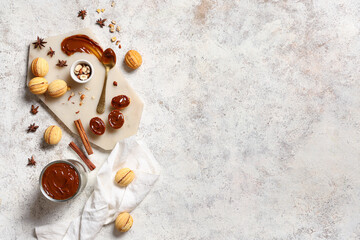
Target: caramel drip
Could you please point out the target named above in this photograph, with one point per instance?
(50, 133)
(124, 176)
(127, 221)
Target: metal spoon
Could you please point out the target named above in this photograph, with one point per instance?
(109, 60)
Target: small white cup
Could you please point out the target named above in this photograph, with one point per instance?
(72, 73)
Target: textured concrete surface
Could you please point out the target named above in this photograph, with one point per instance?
(251, 107)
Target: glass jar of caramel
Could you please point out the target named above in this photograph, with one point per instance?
(63, 180)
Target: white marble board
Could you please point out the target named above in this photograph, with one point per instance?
(66, 110)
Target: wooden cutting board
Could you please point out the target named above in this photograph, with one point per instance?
(66, 110)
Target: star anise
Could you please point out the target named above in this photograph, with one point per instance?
(34, 110)
(61, 63)
(51, 52)
(101, 22)
(32, 128)
(39, 43)
(31, 161)
(82, 14)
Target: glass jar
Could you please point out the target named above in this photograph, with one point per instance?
(71, 164)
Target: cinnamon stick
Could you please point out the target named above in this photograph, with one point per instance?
(88, 163)
(83, 136)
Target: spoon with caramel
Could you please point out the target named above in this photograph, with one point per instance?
(109, 60)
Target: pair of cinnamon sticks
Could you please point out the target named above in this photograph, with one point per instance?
(86, 143)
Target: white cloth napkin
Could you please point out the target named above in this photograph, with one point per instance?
(108, 199)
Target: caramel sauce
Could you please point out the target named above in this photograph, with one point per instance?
(60, 181)
(120, 102)
(116, 119)
(81, 43)
(97, 126)
(108, 57)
